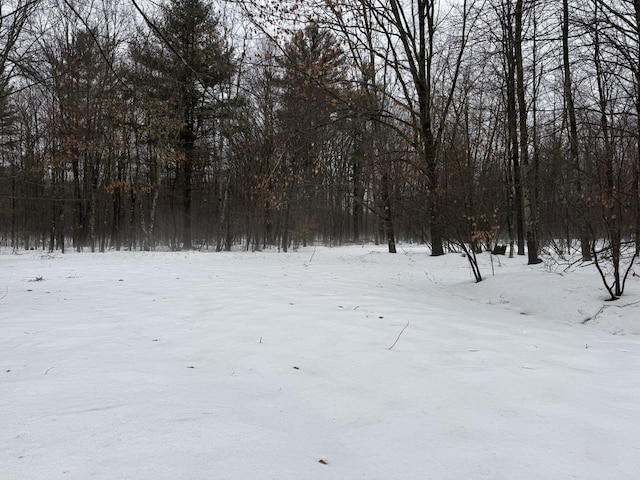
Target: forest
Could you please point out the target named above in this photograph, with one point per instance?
(466, 125)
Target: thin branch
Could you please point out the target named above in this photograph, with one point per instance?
(399, 335)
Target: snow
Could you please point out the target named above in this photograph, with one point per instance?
(200, 365)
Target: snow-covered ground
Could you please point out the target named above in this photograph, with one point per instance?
(243, 366)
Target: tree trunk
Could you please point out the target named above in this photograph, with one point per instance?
(358, 198)
(636, 181)
(528, 178)
(574, 153)
(515, 201)
(387, 213)
(187, 174)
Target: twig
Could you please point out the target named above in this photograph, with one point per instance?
(594, 316)
(48, 370)
(625, 305)
(431, 277)
(399, 335)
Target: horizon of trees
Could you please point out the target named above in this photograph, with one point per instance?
(211, 124)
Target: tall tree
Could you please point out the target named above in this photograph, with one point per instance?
(614, 152)
(83, 92)
(574, 147)
(313, 75)
(412, 31)
(371, 129)
(187, 60)
(14, 17)
(618, 30)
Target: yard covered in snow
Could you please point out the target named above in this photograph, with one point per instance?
(237, 366)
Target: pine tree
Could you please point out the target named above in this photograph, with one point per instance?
(186, 60)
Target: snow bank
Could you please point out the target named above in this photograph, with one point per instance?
(278, 366)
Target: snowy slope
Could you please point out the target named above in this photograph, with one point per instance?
(277, 366)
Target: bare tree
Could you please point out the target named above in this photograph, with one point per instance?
(412, 39)
(615, 195)
(574, 148)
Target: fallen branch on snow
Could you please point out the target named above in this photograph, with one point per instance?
(399, 335)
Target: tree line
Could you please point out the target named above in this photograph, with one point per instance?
(210, 124)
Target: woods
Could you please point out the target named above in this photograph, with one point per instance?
(213, 125)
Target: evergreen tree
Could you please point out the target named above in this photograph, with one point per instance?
(311, 89)
(185, 61)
